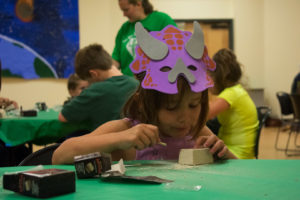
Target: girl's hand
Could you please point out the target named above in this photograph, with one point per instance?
(140, 137)
(216, 145)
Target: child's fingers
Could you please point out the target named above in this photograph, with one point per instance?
(152, 133)
(152, 127)
(200, 141)
(145, 139)
(217, 146)
(210, 141)
(145, 134)
(139, 145)
(223, 152)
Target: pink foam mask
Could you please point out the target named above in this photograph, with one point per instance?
(165, 55)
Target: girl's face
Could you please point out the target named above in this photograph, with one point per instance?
(176, 119)
(132, 12)
(81, 86)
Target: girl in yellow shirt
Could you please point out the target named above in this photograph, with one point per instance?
(233, 107)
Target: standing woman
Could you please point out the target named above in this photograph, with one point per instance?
(233, 106)
(125, 43)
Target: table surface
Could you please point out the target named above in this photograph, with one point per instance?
(230, 180)
(44, 128)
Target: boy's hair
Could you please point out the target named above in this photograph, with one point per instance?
(148, 8)
(228, 70)
(73, 81)
(93, 56)
(144, 104)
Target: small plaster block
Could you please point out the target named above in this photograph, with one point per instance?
(195, 156)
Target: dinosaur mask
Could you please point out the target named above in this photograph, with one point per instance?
(165, 55)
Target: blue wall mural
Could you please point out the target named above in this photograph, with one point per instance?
(38, 38)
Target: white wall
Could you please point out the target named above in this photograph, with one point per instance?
(248, 40)
(28, 92)
(281, 46)
(266, 41)
(99, 22)
(195, 9)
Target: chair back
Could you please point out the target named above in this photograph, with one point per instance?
(285, 103)
(263, 113)
(40, 157)
(295, 99)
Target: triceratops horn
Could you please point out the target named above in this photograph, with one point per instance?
(195, 45)
(153, 48)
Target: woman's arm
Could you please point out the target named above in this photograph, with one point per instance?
(209, 140)
(217, 106)
(109, 137)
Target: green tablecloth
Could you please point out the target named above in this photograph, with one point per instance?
(45, 128)
(233, 179)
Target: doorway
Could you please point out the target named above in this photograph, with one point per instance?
(218, 34)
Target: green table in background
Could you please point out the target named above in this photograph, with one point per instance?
(45, 128)
(230, 180)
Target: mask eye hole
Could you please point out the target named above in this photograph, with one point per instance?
(192, 68)
(165, 69)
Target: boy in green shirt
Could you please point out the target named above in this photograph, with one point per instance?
(109, 89)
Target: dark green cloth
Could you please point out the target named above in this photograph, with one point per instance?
(125, 43)
(230, 180)
(45, 128)
(101, 101)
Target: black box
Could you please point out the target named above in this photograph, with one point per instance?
(28, 113)
(92, 165)
(41, 183)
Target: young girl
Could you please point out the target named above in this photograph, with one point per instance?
(170, 105)
(75, 86)
(233, 106)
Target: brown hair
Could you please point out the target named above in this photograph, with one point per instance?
(73, 81)
(148, 8)
(228, 70)
(144, 104)
(93, 56)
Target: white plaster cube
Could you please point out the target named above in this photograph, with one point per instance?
(195, 156)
